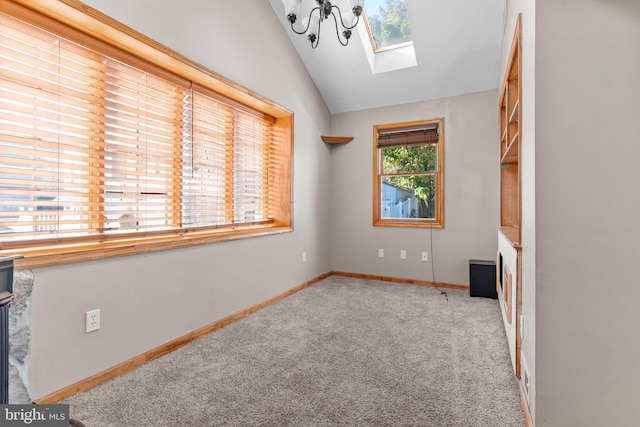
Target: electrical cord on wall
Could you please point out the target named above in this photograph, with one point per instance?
(433, 270)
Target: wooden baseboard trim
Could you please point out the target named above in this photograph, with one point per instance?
(400, 280)
(525, 405)
(137, 361)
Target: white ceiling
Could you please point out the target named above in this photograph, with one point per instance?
(457, 44)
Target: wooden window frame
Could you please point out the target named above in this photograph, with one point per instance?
(378, 220)
(71, 17)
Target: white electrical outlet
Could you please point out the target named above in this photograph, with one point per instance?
(403, 254)
(380, 253)
(92, 320)
(304, 257)
(425, 256)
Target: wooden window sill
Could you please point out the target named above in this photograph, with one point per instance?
(411, 223)
(68, 253)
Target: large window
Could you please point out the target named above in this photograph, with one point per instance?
(100, 145)
(408, 174)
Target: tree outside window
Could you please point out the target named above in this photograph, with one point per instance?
(388, 22)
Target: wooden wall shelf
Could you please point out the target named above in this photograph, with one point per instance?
(511, 153)
(333, 139)
(512, 234)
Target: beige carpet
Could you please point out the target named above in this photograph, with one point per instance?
(343, 352)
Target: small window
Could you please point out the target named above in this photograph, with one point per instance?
(408, 174)
(387, 23)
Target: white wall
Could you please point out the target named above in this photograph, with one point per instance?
(587, 204)
(471, 193)
(147, 300)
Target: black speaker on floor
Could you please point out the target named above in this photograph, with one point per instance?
(482, 279)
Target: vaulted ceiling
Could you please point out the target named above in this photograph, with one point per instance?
(457, 47)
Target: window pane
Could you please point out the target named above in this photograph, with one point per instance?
(388, 22)
(408, 196)
(250, 168)
(142, 126)
(48, 113)
(409, 159)
(207, 164)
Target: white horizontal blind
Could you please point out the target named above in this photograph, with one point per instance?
(143, 123)
(251, 142)
(50, 114)
(226, 159)
(208, 153)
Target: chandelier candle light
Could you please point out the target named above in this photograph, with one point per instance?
(324, 9)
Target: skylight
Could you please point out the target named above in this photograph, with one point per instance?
(387, 23)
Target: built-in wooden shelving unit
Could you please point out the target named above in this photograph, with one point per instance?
(509, 262)
(333, 139)
(510, 118)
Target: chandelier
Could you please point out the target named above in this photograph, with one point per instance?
(324, 10)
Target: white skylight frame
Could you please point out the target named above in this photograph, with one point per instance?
(389, 58)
